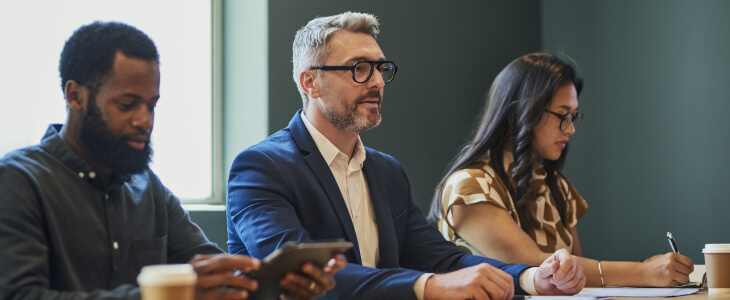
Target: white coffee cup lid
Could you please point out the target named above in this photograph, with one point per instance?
(716, 248)
(175, 274)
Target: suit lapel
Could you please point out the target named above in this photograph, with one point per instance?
(387, 243)
(322, 171)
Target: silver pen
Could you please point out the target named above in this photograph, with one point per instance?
(672, 243)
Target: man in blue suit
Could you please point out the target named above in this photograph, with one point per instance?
(314, 180)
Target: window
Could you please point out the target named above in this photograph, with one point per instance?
(32, 34)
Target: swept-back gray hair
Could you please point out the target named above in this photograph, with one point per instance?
(310, 44)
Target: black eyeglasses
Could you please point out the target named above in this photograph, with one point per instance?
(363, 70)
(568, 118)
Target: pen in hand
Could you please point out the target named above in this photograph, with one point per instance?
(672, 243)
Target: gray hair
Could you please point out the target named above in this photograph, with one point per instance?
(310, 44)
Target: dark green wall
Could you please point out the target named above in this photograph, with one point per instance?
(652, 151)
(447, 56)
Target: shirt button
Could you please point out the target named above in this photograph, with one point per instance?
(116, 245)
(92, 175)
(81, 174)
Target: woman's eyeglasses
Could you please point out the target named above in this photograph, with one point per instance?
(566, 119)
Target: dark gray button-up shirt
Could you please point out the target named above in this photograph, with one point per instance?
(63, 236)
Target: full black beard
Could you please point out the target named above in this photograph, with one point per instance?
(113, 152)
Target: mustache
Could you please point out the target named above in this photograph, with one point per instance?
(370, 95)
(138, 136)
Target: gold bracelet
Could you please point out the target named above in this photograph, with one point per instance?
(600, 271)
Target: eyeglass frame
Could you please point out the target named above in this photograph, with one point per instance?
(373, 64)
(576, 117)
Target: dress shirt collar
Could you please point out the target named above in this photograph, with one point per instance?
(329, 151)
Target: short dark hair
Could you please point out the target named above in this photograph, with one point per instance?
(88, 55)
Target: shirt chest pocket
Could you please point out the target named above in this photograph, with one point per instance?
(149, 251)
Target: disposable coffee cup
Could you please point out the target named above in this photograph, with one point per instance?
(717, 262)
(167, 282)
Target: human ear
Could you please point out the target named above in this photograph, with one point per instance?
(75, 95)
(309, 82)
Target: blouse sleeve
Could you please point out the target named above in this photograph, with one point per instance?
(469, 186)
(576, 204)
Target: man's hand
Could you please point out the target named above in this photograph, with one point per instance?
(669, 269)
(560, 274)
(216, 271)
(482, 281)
(317, 281)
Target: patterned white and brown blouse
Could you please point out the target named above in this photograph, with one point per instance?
(479, 183)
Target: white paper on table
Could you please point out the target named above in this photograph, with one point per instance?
(576, 297)
(695, 278)
(636, 292)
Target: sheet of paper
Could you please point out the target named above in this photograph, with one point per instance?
(636, 292)
(577, 297)
(597, 293)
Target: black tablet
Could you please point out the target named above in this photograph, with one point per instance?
(290, 258)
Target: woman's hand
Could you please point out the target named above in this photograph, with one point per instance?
(669, 269)
(560, 274)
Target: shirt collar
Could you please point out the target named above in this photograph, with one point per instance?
(56, 146)
(329, 151)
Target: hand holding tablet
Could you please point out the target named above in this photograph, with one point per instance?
(290, 258)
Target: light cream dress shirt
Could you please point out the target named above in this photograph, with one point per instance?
(354, 189)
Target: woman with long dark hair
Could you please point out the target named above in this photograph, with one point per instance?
(504, 195)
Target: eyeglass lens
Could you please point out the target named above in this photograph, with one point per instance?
(363, 70)
(568, 118)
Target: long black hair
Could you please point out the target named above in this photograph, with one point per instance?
(514, 106)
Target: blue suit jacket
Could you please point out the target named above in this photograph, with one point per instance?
(281, 189)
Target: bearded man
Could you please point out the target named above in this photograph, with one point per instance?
(82, 212)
